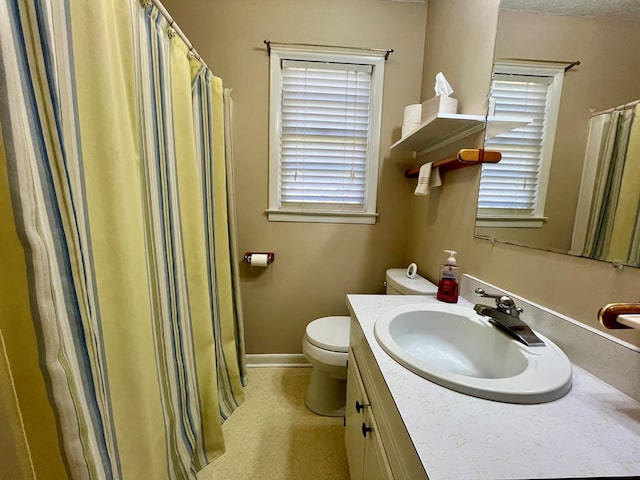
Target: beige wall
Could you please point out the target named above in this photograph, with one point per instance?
(316, 264)
(573, 286)
(609, 52)
(459, 34)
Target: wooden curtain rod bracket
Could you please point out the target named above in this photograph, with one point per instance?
(465, 158)
(610, 316)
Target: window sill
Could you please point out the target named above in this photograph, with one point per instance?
(321, 217)
(510, 221)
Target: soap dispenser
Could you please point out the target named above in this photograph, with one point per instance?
(449, 282)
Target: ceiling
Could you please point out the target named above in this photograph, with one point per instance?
(623, 9)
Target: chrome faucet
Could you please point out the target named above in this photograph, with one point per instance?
(506, 316)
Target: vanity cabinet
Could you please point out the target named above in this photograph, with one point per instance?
(426, 428)
(377, 443)
(365, 451)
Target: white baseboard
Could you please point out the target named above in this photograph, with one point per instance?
(276, 360)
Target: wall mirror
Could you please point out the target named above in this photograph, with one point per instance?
(590, 135)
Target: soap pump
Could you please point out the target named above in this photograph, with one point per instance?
(449, 282)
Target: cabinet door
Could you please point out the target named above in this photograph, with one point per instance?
(376, 466)
(354, 418)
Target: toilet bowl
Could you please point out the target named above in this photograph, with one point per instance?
(326, 346)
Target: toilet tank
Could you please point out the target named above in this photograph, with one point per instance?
(399, 284)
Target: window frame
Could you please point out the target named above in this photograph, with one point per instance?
(535, 218)
(275, 211)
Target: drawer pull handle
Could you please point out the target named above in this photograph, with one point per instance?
(359, 406)
(365, 429)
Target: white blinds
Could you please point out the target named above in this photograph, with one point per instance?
(511, 186)
(324, 135)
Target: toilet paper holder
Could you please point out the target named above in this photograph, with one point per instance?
(270, 256)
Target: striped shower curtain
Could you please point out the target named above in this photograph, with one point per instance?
(608, 218)
(115, 227)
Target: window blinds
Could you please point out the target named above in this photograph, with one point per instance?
(325, 123)
(511, 187)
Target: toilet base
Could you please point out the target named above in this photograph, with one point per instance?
(326, 395)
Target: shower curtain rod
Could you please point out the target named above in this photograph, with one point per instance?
(624, 106)
(172, 24)
(387, 51)
(569, 65)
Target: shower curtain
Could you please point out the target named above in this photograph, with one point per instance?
(607, 225)
(115, 227)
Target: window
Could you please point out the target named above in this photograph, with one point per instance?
(513, 192)
(324, 136)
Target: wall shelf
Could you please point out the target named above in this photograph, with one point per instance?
(438, 131)
(445, 128)
(503, 124)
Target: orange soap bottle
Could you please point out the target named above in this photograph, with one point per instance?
(449, 283)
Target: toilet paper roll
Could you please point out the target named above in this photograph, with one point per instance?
(412, 114)
(259, 260)
(409, 128)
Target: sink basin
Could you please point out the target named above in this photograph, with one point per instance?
(458, 349)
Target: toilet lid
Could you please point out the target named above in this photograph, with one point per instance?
(397, 278)
(330, 333)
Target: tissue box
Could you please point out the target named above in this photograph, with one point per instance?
(439, 104)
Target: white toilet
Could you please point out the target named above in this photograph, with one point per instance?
(326, 346)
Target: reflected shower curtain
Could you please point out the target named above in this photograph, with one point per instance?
(624, 245)
(612, 230)
(113, 140)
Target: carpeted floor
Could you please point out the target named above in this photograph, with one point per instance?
(273, 436)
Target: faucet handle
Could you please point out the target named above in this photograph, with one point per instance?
(481, 293)
(504, 302)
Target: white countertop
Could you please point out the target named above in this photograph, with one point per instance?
(593, 431)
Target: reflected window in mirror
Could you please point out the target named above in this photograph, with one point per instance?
(513, 192)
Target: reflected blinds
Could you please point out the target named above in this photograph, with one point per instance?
(511, 187)
(324, 135)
